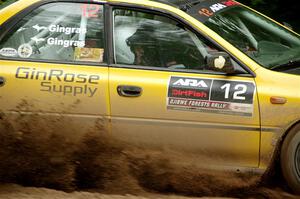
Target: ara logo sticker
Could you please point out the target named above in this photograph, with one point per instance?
(208, 8)
(211, 95)
(8, 52)
(216, 7)
(190, 82)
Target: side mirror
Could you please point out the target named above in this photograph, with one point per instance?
(219, 61)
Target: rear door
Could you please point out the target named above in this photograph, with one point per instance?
(52, 64)
(165, 97)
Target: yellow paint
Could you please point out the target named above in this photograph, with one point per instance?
(146, 120)
(13, 9)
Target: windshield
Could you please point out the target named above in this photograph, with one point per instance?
(4, 4)
(269, 44)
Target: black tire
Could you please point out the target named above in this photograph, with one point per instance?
(290, 159)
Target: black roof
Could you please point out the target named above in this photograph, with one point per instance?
(181, 4)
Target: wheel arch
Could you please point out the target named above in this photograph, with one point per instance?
(274, 168)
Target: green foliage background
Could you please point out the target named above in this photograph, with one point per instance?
(5, 2)
(280, 10)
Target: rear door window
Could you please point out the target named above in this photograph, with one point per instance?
(58, 31)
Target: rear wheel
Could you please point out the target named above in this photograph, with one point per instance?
(290, 159)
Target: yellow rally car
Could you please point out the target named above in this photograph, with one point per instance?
(212, 78)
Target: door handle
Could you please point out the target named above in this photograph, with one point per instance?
(2, 81)
(129, 91)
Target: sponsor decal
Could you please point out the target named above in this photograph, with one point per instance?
(206, 9)
(60, 29)
(91, 10)
(25, 51)
(8, 52)
(211, 95)
(66, 30)
(65, 43)
(89, 54)
(61, 82)
(190, 83)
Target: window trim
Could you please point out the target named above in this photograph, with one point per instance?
(161, 69)
(171, 16)
(8, 25)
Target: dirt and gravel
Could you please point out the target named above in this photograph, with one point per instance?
(12, 191)
(36, 154)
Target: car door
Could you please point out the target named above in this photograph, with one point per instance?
(165, 97)
(52, 65)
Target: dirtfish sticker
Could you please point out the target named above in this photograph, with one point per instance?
(211, 95)
(61, 82)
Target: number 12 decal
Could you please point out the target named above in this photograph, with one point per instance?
(233, 91)
(220, 96)
(90, 10)
(240, 89)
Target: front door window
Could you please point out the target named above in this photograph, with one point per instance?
(150, 40)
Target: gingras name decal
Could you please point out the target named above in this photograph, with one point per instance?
(211, 95)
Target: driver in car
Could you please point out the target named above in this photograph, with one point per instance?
(144, 46)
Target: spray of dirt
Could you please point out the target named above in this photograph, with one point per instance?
(30, 156)
(102, 165)
(35, 152)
